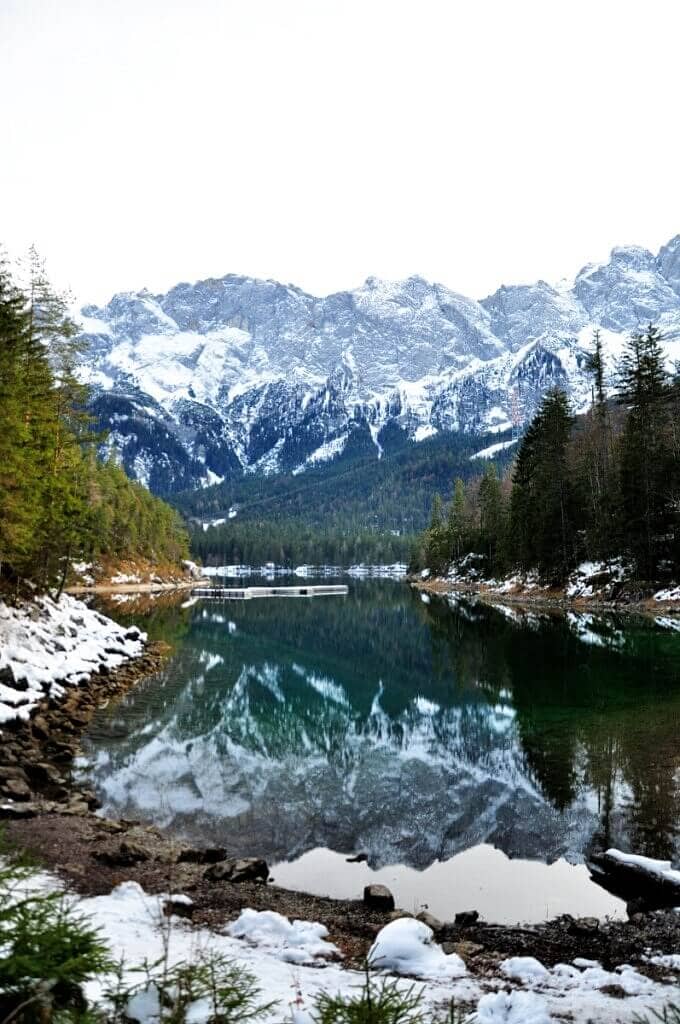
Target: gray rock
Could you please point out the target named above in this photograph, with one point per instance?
(15, 789)
(379, 897)
(245, 869)
(209, 855)
(466, 918)
(126, 854)
(430, 920)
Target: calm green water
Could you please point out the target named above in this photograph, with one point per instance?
(474, 754)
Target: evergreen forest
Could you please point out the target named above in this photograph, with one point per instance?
(357, 508)
(595, 487)
(58, 500)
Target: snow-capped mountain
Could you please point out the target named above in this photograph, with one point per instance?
(235, 374)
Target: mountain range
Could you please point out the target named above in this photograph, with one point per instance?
(235, 375)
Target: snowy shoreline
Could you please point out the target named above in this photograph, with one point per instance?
(47, 647)
(606, 586)
(293, 961)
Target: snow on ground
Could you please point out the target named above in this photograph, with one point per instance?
(124, 577)
(594, 579)
(84, 571)
(293, 962)
(47, 645)
(299, 942)
(324, 453)
(213, 522)
(493, 449)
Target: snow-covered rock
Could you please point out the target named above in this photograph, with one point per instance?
(297, 942)
(46, 646)
(407, 946)
(236, 374)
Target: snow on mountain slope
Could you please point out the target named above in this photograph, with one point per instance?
(237, 374)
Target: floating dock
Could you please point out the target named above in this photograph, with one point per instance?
(248, 593)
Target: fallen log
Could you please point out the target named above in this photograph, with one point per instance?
(653, 882)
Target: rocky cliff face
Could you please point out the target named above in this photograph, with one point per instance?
(235, 375)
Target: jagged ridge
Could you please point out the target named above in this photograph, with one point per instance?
(236, 375)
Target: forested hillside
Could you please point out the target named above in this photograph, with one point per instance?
(354, 509)
(58, 501)
(597, 487)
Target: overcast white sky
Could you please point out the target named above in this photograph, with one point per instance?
(146, 142)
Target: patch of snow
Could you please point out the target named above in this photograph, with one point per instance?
(324, 453)
(122, 577)
(493, 449)
(669, 594)
(299, 942)
(213, 522)
(512, 1008)
(210, 479)
(406, 946)
(424, 431)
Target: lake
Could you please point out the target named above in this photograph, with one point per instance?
(474, 754)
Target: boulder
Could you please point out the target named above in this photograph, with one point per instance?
(467, 918)
(126, 854)
(245, 869)
(178, 907)
(430, 920)
(583, 926)
(43, 774)
(210, 855)
(15, 789)
(40, 727)
(378, 897)
(464, 948)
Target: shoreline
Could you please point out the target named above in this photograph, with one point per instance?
(136, 588)
(59, 826)
(556, 600)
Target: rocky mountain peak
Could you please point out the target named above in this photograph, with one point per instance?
(237, 374)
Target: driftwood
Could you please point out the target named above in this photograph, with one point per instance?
(634, 882)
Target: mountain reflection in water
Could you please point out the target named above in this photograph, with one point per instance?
(408, 730)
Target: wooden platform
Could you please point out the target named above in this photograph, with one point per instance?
(248, 593)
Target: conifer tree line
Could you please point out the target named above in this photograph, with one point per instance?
(58, 501)
(594, 487)
(291, 542)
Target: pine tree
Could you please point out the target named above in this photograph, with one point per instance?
(645, 450)
(595, 460)
(541, 514)
(491, 517)
(436, 538)
(595, 366)
(457, 523)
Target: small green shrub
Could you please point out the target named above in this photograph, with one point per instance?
(670, 1014)
(375, 1002)
(231, 991)
(48, 949)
